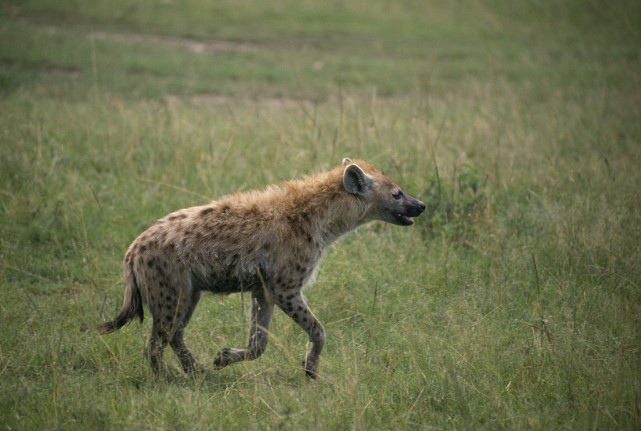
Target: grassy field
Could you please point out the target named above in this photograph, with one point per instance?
(513, 303)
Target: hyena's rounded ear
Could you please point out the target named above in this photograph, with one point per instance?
(346, 161)
(355, 180)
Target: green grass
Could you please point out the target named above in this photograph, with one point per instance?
(514, 303)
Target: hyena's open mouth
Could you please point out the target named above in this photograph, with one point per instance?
(404, 220)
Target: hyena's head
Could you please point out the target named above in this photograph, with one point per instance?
(385, 199)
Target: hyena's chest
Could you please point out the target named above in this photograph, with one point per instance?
(296, 271)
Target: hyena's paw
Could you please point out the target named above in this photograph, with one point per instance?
(311, 367)
(195, 369)
(228, 356)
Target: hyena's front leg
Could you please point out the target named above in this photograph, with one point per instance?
(261, 316)
(295, 307)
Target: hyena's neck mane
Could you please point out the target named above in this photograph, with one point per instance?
(321, 204)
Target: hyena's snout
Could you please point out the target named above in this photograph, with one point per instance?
(413, 208)
(416, 208)
(408, 208)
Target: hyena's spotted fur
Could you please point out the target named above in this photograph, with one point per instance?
(266, 243)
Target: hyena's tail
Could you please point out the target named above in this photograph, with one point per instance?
(131, 306)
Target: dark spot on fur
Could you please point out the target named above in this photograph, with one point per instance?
(309, 238)
(266, 246)
(206, 211)
(199, 236)
(143, 248)
(150, 263)
(294, 316)
(177, 217)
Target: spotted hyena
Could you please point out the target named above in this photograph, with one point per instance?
(267, 243)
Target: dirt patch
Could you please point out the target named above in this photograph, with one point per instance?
(190, 45)
(215, 99)
(63, 71)
(40, 66)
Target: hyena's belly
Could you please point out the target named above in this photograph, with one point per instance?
(226, 283)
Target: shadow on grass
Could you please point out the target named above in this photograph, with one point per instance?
(212, 379)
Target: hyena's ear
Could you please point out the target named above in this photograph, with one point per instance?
(355, 180)
(346, 161)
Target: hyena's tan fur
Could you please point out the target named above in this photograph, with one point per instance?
(266, 243)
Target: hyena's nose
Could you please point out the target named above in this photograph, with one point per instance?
(417, 208)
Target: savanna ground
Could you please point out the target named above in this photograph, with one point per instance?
(513, 303)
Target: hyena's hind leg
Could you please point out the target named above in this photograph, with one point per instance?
(261, 316)
(156, 345)
(171, 312)
(176, 342)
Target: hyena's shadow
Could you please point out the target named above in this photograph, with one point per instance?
(210, 378)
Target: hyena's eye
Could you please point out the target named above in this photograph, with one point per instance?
(397, 194)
